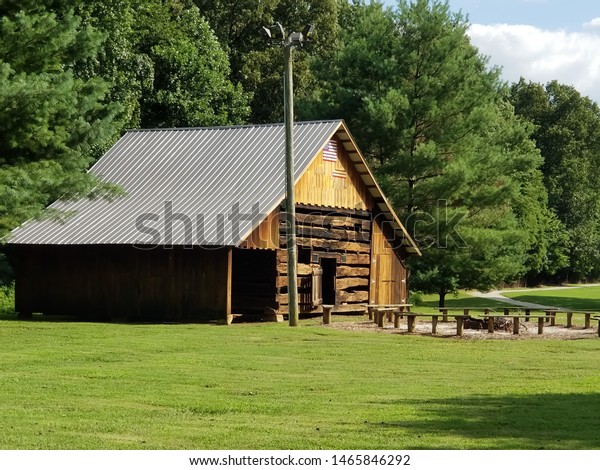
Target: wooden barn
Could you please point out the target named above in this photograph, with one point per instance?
(199, 234)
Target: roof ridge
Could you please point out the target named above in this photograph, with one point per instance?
(238, 126)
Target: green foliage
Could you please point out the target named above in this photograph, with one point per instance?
(167, 65)
(568, 136)
(7, 298)
(430, 116)
(52, 124)
(257, 65)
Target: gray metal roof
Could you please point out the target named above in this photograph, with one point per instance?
(200, 186)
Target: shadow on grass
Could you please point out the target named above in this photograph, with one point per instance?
(563, 302)
(465, 302)
(544, 421)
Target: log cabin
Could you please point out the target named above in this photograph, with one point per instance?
(199, 234)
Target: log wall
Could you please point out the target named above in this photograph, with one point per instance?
(345, 236)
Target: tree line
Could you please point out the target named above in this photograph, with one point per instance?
(498, 182)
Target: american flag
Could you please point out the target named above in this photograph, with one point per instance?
(330, 151)
(339, 174)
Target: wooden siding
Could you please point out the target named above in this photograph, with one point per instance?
(113, 281)
(266, 235)
(325, 235)
(318, 186)
(388, 273)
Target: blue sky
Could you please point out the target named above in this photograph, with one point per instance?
(541, 40)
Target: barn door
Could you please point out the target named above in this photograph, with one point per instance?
(386, 280)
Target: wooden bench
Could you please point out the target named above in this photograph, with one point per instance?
(411, 319)
(377, 312)
(329, 310)
(517, 321)
(598, 320)
(587, 314)
(466, 311)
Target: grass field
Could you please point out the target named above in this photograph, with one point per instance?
(581, 298)
(70, 385)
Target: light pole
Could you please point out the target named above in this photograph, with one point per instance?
(288, 43)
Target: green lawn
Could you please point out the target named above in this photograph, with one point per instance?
(69, 385)
(581, 298)
(461, 300)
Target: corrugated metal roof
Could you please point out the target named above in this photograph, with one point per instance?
(193, 186)
(193, 174)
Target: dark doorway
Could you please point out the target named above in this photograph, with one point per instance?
(329, 267)
(253, 280)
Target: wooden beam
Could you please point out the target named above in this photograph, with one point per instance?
(460, 324)
(491, 324)
(349, 271)
(411, 320)
(540, 325)
(345, 283)
(327, 314)
(228, 313)
(357, 259)
(353, 297)
(516, 325)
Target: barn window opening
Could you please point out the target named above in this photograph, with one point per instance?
(304, 255)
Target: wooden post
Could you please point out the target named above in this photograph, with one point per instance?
(599, 328)
(397, 317)
(553, 318)
(434, 322)
(390, 313)
(548, 313)
(370, 312)
(527, 313)
(540, 325)
(459, 325)
(444, 314)
(516, 325)
(380, 316)
(327, 314)
(569, 319)
(290, 201)
(506, 311)
(411, 320)
(491, 324)
(588, 323)
(228, 312)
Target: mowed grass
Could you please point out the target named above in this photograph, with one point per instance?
(580, 298)
(460, 300)
(70, 385)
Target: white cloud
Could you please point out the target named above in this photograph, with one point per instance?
(592, 25)
(572, 58)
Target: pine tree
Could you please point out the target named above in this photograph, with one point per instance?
(52, 124)
(430, 115)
